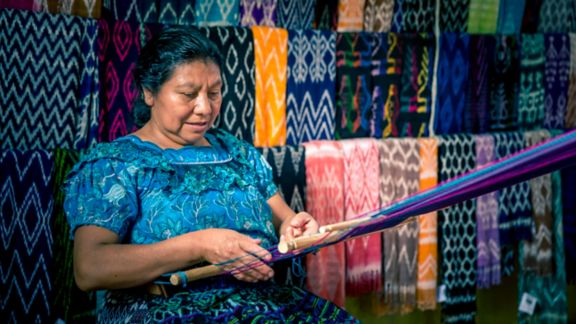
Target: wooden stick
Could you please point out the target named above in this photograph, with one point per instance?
(196, 274)
(309, 240)
(344, 225)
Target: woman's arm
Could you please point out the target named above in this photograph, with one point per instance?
(288, 223)
(102, 262)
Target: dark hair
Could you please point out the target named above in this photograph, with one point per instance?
(161, 55)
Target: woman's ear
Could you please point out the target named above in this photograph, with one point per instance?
(148, 97)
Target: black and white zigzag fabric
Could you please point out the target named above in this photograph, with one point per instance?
(295, 14)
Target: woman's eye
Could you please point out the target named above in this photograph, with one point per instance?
(215, 94)
(190, 95)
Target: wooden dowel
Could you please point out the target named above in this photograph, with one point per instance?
(196, 274)
(307, 241)
(344, 225)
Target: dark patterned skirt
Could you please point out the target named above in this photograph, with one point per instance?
(223, 300)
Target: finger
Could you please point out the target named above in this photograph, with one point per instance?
(299, 220)
(257, 262)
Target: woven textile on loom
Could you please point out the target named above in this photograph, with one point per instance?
(325, 200)
(26, 215)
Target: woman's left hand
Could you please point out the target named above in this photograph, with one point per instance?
(298, 225)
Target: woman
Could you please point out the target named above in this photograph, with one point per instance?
(175, 194)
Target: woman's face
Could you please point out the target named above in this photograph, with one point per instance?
(186, 105)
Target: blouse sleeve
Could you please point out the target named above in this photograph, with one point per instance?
(101, 193)
(263, 170)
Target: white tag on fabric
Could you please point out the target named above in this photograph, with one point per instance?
(528, 304)
(441, 293)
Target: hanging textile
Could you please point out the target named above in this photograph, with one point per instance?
(571, 109)
(504, 83)
(483, 16)
(271, 56)
(510, 15)
(258, 13)
(452, 83)
(556, 79)
(361, 174)
(531, 90)
(45, 67)
(325, 201)
(415, 91)
(399, 178)
(453, 15)
(569, 221)
(217, 13)
(550, 290)
(457, 155)
(418, 16)
(378, 15)
(296, 14)
(531, 16)
(68, 302)
(82, 8)
(19, 4)
(350, 15)
(398, 17)
(89, 96)
(488, 238)
(353, 84)
(477, 116)
(238, 91)
(427, 223)
(557, 16)
(326, 15)
(134, 11)
(310, 86)
(537, 253)
(26, 214)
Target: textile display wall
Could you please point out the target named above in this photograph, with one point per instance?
(354, 104)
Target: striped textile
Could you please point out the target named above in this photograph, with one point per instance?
(350, 15)
(427, 223)
(477, 116)
(295, 14)
(48, 80)
(378, 15)
(399, 178)
(26, 213)
(217, 13)
(556, 79)
(487, 235)
(557, 16)
(271, 58)
(238, 76)
(453, 15)
(310, 86)
(549, 290)
(174, 12)
(326, 15)
(570, 121)
(457, 155)
(353, 84)
(531, 86)
(258, 13)
(510, 15)
(418, 16)
(361, 174)
(325, 201)
(504, 83)
(483, 16)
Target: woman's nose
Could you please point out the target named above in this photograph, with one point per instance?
(202, 105)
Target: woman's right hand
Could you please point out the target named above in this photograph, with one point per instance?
(238, 254)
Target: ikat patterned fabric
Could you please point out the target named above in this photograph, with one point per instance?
(531, 91)
(504, 84)
(571, 113)
(557, 16)
(217, 13)
(350, 15)
(175, 12)
(378, 15)
(477, 116)
(556, 79)
(453, 15)
(258, 13)
(295, 14)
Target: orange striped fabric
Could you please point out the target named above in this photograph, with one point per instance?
(271, 58)
(350, 15)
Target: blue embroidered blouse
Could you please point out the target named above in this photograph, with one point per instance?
(146, 194)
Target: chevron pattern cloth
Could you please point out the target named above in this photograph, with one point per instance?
(399, 178)
(487, 235)
(504, 84)
(537, 253)
(69, 303)
(569, 221)
(457, 155)
(26, 217)
(296, 14)
(326, 15)
(452, 83)
(217, 13)
(477, 116)
(89, 96)
(325, 201)
(378, 15)
(510, 15)
(258, 13)
(271, 58)
(453, 15)
(483, 16)
(550, 290)
(44, 68)
(427, 224)
(119, 42)
(531, 91)
(556, 79)
(557, 16)
(570, 121)
(350, 15)
(397, 17)
(353, 84)
(82, 8)
(175, 12)
(415, 91)
(310, 86)
(361, 184)
(239, 85)
(418, 16)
